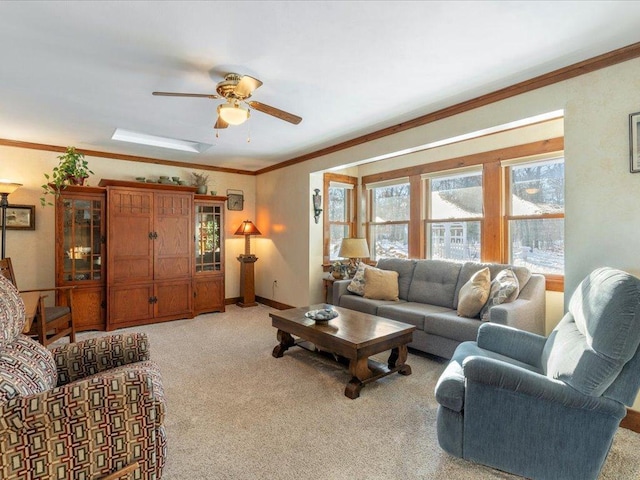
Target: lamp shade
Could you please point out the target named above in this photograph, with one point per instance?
(354, 248)
(247, 228)
(8, 187)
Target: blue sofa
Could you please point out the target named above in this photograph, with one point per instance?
(428, 299)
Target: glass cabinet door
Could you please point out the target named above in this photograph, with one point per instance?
(82, 239)
(207, 237)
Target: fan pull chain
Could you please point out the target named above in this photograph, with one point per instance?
(248, 126)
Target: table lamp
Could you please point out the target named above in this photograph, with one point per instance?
(247, 281)
(354, 249)
(6, 187)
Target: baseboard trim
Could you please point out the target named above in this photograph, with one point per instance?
(264, 301)
(273, 303)
(631, 421)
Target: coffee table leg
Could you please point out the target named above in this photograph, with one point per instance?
(398, 358)
(286, 341)
(359, 370)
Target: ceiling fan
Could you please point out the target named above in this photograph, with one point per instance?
(236, 90)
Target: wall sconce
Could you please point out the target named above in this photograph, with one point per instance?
(317, 203)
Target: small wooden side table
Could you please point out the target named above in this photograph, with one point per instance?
(327, 284)
(31, 301)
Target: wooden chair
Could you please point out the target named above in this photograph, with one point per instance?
(50, 323)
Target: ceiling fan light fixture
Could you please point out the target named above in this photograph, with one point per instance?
(233, 113)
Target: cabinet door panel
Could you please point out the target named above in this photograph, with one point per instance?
(130, 243)
(174, 299)
(172, 249)
(88, 308)
(128, 303)
(209, 294)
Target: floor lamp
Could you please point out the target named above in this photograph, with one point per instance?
(247, 280)
(6, 188)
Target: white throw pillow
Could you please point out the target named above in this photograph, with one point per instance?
(474, 294)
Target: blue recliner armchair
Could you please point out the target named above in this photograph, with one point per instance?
(547, 408)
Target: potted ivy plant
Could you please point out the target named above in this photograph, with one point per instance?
(72, 169)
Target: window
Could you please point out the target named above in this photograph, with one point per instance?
(454, 216)
(340, 212)
(389, 212)
(535, 215)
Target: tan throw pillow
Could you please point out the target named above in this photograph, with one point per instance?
(504, 289)
(474, 294)
(357, 283)
(380, 284)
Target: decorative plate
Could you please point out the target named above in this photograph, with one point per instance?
(323, 315)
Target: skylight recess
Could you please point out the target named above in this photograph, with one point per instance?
(157, 141)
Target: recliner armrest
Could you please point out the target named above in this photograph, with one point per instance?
(81, 359)
(518, 344)
(503, 375)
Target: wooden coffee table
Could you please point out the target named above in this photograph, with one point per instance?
(353, 336)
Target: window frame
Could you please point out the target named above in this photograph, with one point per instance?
(554, 282)
(369, 224)
(494, 240)
(427, 220)
(352, 210)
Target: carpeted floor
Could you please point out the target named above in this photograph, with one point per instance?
(235, 412)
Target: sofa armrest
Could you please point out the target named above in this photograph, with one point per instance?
(79, 360)
(527, 312)
(339, 289)
(130, 392)
(520, 345)
(502, 375)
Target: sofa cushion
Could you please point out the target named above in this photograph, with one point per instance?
(434, 282)
(380, 284)
(504, 289)
(404, 267)
(469, 268)
(365, 305)
(474, 293)
(357, 282)
(449, 325)
(599, 334)
(409, 312)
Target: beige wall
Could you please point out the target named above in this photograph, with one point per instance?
(32, 252)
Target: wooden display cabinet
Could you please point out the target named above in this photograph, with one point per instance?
(208, 282)
(79, 253)
(150, 253)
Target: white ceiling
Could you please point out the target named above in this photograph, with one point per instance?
(73, 72)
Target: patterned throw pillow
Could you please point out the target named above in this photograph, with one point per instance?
(357, 283)
(474, 294)
(504, 289)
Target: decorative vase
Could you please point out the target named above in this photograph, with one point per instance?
(202, 189)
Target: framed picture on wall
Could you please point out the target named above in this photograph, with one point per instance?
(634, 147)
(20, 217)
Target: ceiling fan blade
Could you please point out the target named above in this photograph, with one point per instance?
(200, 95)
(246, 86)
(275, 112)
(220, 123)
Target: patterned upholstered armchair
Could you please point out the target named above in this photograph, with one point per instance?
(84, 410)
